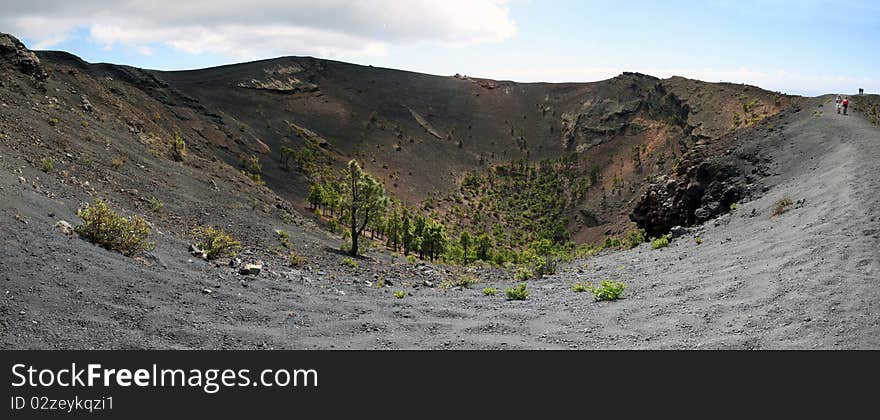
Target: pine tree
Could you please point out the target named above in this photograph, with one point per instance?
(419, 235)
(484, 247)
(316, 195)
(406, 232)
(435, 240)
(465, 241)
(363, 198)
(393, 230)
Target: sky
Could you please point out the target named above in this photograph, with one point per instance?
(806, 47)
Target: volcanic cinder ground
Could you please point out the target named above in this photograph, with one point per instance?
(805, 279)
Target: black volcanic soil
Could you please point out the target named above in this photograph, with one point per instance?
(805, 279)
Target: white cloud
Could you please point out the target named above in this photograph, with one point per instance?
(260, 28)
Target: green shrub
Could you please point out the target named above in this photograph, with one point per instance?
(257, 178)
(178, 148)
(295, 260)
(518, 292)
(661, 242)
(412, 259)
(155, 204)
(333, 226)
(400, 294)
(490, 291)
(349, 262)
(523, 273)
(216, 243)
(782, 206)
(252, 168)
(48, 164)
(580, 287)
(284, 238)
(466, 281)
(608, 290)
(547, 266)
(103, 226)
(633, 238)
(698, 240)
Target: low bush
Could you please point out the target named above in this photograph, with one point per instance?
(216, 243)
(178, 148)
(661, 242)
(631, 239)
(523, 273)
(155, 204)
(103, 226)
(117, 163)
(490, 291)
(781, 206)
(295, 260)
(519, 292)
(333, 226)
(465, 282)
(400, 294)
(580, 287)
(608, 290)
(349, 262)
(284, 238)
(48, 164)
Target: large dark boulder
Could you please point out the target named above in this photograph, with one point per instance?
(699, 190)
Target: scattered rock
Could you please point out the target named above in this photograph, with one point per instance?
(195, 251)
(86, 105)
(65, 227)
(250, 269)
(235, 262)
(677, 231)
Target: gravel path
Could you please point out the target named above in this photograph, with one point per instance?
(805, 279)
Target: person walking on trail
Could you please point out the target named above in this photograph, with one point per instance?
(838, 101)
(845, 104)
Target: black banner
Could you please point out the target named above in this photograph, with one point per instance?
(330, 384)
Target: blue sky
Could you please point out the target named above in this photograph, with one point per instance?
(806, 47)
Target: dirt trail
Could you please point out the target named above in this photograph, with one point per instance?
(805, 279)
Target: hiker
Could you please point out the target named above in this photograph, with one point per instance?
(845, 104)
(838, 101)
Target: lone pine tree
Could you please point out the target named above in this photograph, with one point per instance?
(363, 198)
